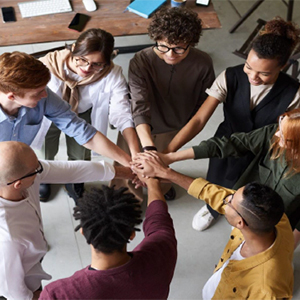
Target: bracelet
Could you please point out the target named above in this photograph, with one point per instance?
(149, 148)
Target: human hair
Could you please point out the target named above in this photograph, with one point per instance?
(108, 217)
(94, 40)
(277, 40)
(291, 149)
(176, 25)
(261, 207)
(20, 71)
(14, 158)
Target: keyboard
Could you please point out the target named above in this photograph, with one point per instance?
(44, 7)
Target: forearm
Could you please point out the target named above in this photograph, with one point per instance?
(175, 177)
(102, 145)
(132, 141)
(123, 173)
(154, 190)
(188, 132)
(178, 156)
(296, 238)
(144, 134)
(180, 179)
(194, 126)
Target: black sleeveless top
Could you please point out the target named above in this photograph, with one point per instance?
(239, 118)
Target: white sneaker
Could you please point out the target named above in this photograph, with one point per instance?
(202, 219)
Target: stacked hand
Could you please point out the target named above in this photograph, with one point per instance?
(149, 164)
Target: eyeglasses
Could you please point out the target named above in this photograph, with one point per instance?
(83, 63)
(37, 171)
(228, 202)
(165, 49)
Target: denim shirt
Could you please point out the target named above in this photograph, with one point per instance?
(26, 125)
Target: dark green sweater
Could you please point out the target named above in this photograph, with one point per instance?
(261, 169)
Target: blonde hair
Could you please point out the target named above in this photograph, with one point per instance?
(20, 71)
(291, 149)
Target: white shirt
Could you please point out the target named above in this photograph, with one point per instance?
(22, 241)
(212, 283)
(218, 90)
(108, 98)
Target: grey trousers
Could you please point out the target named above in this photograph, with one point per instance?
(74, 150)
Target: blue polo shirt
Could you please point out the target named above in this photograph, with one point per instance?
(26, 125)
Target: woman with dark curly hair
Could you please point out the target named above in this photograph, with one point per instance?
(254, 95)
(168, 81)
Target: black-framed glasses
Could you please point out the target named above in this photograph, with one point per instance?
(84, 62)
(227, 201)
(176, 50)
(37, 171)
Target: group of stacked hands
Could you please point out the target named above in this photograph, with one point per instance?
(252, 178)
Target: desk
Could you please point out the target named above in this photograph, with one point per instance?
(109, 16)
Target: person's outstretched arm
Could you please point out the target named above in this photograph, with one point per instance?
(102, 145)
(154, 190)
(194, 126)
(132, 141)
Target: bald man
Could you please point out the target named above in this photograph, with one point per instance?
(22, 241)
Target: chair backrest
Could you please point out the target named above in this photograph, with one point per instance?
(117, 50)
(245, 49)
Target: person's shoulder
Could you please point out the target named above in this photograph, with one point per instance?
(237, 70)
(290, 80)
(51, 95)
(144, 55)
(269, 129)
(199, 61)
(199, 54)
(62, 287)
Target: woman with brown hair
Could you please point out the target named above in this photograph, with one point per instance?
(84, 75)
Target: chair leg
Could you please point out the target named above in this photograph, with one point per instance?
(290, 10)
(295, 68)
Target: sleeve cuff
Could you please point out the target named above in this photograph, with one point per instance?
(128, 124)
(196, 187)
(142, 120)
(201, 151)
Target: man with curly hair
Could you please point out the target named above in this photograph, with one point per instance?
(168, 81)
(108, 220)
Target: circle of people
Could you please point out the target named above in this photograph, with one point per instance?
(253, 175)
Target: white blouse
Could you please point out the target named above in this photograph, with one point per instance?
(107, 97)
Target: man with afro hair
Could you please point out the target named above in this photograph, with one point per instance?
(108, 218)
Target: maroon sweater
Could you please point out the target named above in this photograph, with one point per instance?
(146, 276)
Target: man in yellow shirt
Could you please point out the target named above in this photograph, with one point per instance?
(257, 260)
